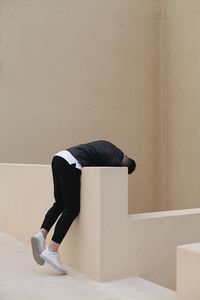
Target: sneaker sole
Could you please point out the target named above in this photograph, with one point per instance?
(36, 250)
(53, 265)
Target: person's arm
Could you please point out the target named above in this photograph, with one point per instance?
(128, 162)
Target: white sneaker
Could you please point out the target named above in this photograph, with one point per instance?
(53, 259)
(38, 246)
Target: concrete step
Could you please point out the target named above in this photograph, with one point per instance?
(22, 279)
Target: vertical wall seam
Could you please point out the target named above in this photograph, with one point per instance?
(163, 111)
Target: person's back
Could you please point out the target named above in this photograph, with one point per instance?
(97, 153)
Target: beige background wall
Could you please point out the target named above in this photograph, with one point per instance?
(125, 70)
(73, 71)
(183, 102)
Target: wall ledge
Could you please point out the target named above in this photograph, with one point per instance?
(163, 214)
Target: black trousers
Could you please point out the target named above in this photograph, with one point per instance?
(66, 179)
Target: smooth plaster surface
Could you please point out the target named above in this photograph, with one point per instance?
(104, 242)
(123, 70)
(21, 279)
(182, 68)
(188, 270)
(74, 71)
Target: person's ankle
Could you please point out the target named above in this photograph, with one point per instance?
(53, 246)
(44, 232)
(51, 249)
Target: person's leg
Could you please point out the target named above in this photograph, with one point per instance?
(69, 180)
(62, 227)
(69, 183)
(58, 206)
(38, 240)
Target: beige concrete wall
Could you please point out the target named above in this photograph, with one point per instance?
(182, 64)
(188, 269)
(126, 71)
(103, 242)
(73, 71)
